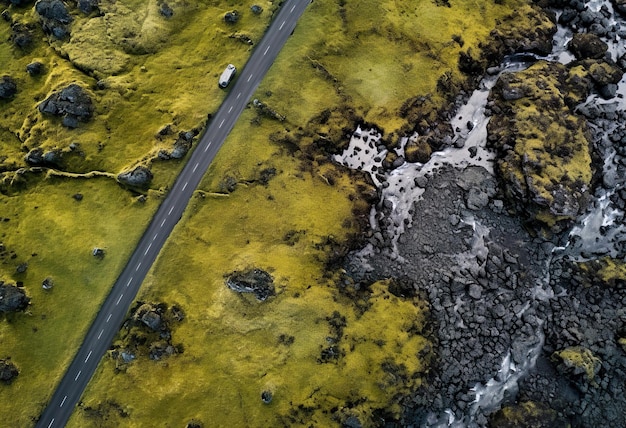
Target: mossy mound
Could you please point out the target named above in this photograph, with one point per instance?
(604, 272)
(543, 148)
(578, 363)
(527, 414)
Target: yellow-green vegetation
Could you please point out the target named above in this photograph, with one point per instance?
(143, 72)
(527, 414)
(317, 345)
(374, 58)
(323, 351)
(545, 158)
(577, 361)
(55, 235)
(606, 271)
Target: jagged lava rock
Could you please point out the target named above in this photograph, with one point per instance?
(73, 103)
(12, 298)
(140, 176)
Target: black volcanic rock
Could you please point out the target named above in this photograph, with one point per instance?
(73, 103)
(587, 45)
(255, 281)
(12, 298)
(8, 371)
(140, 176)
(8, 87)
(55, 18)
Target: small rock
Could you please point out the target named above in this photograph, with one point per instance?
(98, 252)
(266, 396)
(231, 17)
(256, 9)
(256, 281)
(47, 283)
(166, 11)
(35, 68)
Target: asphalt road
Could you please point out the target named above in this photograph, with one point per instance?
(116, 306)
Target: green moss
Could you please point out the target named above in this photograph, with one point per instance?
(135, 95)
(527, 414)
(607, 271)
(55, 234)
(576, 361)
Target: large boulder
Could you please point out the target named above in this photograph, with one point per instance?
(587, 45)
(55, 18)
(140, 176)
(72, 103)
(8, 87)
(256, 281)
(8, 371)
(12, 298)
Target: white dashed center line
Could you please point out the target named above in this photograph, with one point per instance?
(163, 222)
(63, 402)
(129, 281)
(78, 375)
(170, 212)
(281, 26)
(238, 95)
(292, 8)
(155, 236)
(119, 299)
(100, 335)
(207, 148)
(185, 186)
(221, 123)
(88, 355)
(51, 422)
(266, 49)
(109, 317)
(196, 165)
(230, 109)
(249, 77)
(138, 266)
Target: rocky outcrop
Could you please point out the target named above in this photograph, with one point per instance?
(8, 371)
(543, 148)
(12, 298)
(55, 18)
(148, 332)
(8, 87)
(72, 103)
(140, 176)
(88, 6)
(256, 281)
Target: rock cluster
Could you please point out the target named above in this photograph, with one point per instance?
(148, 332)
(72, 103)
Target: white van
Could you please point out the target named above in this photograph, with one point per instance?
(227, 75)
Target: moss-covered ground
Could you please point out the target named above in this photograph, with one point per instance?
(143, 72)
(271, 200)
